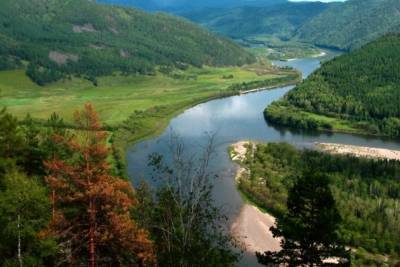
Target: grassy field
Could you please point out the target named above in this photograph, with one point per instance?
(118, 96)
(276, 49)
(137, 107)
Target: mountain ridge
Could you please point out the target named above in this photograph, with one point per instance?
(81, 37)
(352, 24)
(356, 92)
(280, 20)
(177, 6)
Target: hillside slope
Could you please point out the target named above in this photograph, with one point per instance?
(280, 20)
(177, 6)
(356, 92)
(82, 37)
(352, 24)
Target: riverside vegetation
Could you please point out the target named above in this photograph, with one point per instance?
(64, 198)
(62, 203)
(366, 194)
(271, 27)
(56, 55)
(356, 92)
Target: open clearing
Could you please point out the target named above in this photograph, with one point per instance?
(118, 96)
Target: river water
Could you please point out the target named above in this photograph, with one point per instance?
(234, 119)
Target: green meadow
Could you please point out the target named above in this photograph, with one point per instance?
(154, 99)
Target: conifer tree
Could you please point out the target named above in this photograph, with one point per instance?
(93, 222)
(309, 229)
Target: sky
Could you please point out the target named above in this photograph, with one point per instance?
(325, 1)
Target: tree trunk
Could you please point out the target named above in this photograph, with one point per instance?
(92, 244)
(53, 205)
(19, 240)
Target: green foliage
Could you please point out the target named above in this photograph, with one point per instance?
(7, 63)
(11, 142)
(24, 211)
(277, 49)
(280, 20)
(84, 38)
(361, 87)
(180, 214)
(41, 75)
(352, 24)
(290, 79)
(309, 229)
(342, 26)
(366, 191)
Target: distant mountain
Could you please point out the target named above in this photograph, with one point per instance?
(352, 23)
(177, 6)
(61, 37)
(280, 20)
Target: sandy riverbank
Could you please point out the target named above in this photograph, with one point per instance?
(252, 225)
(322, 54)
(252, 229)
(359, 151)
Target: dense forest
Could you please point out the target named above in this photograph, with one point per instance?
(80, 37)
(361, 88)
(64, 202)
(178, 6)
(352, 23)
(366, 192)
(343, 26)
(280, 20)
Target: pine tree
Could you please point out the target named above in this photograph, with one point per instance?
(309, 229)
(23, 213)
(34, 153)
(93, 221)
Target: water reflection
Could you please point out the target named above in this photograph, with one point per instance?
(233, 119)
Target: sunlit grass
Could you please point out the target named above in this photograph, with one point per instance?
(118, 96)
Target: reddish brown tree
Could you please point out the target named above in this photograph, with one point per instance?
(93, 221)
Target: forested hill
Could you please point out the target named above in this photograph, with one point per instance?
(361, 88)
(280, 20)
(177, 6)
(61, 37)
(352, 24)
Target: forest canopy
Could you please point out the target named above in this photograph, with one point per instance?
(362, 88)
(81, 37)
(366, 193)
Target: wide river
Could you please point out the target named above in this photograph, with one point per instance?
(233, 119)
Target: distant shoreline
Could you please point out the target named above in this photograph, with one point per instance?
(321, 54)
(359, 151)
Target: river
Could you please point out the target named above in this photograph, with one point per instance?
(233, 119)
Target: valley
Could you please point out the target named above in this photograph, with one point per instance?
(170, 92)
(353, 93)
(177, 133)
(234, 119)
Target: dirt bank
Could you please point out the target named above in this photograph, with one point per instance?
(252, 225)
(359, 151)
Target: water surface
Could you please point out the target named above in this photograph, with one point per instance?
(234, 119)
